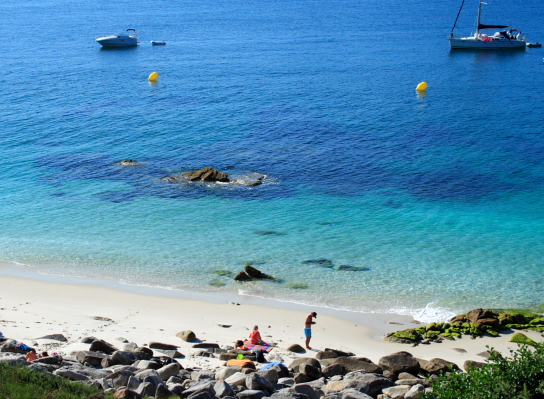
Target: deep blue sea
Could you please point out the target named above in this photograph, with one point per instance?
(436, 199)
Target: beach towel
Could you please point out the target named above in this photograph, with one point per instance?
(270, 365)
(264, 347)
(241, 363)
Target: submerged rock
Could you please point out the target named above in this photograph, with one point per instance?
(318, 262)
(349, 268)
(128, 162)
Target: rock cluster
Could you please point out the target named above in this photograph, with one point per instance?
(134, 372)
(477, 322)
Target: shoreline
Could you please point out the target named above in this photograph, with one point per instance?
(31, 308)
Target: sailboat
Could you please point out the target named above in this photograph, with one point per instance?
(504, 39)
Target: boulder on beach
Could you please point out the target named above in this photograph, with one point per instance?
(296, 348)
(55, 337)
(187, 336)
(399, 362)
(207, 174)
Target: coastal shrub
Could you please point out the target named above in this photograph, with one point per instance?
(519, 376)
(20, 382)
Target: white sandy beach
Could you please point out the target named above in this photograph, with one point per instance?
(32, 308)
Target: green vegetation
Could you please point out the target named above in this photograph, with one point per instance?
(520, 338)
(20, 382)
(521, 376)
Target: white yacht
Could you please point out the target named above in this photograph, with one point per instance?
(504, 39)
(120, 40)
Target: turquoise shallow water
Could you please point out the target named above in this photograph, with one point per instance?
(438, 195)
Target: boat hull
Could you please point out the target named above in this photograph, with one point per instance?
(117, 41)
(477, 44)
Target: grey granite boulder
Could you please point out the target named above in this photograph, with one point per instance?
(224, 372)
(305, 389)
(236, 380)
(121, 379)
(251, 394)
(176, 389)
(326, 355)
(396, 392)
(312, 372)
(270, 374)
(304, 360)
(223, 389)
(70, 374)
(100, 345)
(400, 362)
(256, 382)
(332, 370)
(161, 345)
(200, 387)
(162, 392)
(414, 392)
(93, 358)
(354, 394)
(146, 389)
(169, 370)
(350, 364)
(201, 395)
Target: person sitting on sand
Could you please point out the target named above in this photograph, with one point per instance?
(255, 336)
(241, 345)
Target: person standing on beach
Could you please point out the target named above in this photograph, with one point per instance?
(308, 328)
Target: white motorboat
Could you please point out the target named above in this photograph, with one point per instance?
(120, 40)
(504, 39)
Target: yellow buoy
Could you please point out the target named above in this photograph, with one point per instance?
(422, 86)
(154, 76)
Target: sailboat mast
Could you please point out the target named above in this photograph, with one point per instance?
(478, 27)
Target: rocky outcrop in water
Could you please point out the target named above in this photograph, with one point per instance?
(207, 174)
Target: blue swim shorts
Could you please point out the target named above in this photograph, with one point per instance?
(308, 332)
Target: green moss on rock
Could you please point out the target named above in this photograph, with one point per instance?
(520, 338)
(409, 333)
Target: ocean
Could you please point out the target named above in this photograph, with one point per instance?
(377, 198)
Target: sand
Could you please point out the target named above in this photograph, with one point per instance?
(31, 308)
